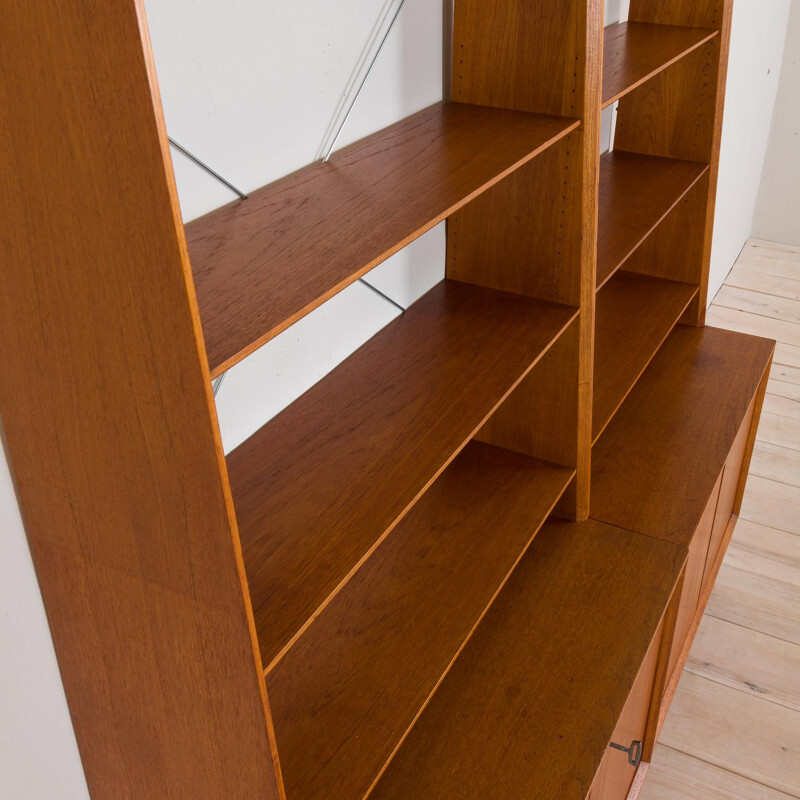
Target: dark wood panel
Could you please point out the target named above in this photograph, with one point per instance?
(730, 480)
(529, 707)
(108, 419)
(679, 113)
(523, 54)
(616, 774)
(696, 13)
(636, 193)
(633, 52)
(346, 693)
(634, 315)
(508, 239)
(317, 487)
(693, 580)
(537, 232)
(656, 464)
(262, 263)
(674, 250)
(538, 418)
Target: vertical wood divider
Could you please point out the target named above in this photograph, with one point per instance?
(536, 232)
(675, 115)
(109, 422)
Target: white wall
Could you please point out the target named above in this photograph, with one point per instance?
(777, 215)
(254, 87)
(38, 754)
(256, 90)
(757, 41)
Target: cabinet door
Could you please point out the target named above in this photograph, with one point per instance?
(615, 776)
(727, 495)
(693, 581)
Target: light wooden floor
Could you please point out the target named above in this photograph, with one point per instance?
(733, 731)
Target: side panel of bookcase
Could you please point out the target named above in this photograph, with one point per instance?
(108, 419)
(535, 233)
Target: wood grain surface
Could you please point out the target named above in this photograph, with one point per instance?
(633, 52)
(679, 113)
(695, 577)
(109, 422)
(634, 316)
(536, 55)
(538, 417)
(616, 773)
(674, 250)
(529, 707)
(523, 54)
(262, 263)
(689, 404)
(319, 486)
(636, 193)
(347, 692)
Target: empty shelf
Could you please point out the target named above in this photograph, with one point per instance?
(529, 707)
(634, 315)
(636, 193)
(262, 263)
(349, 689)
(656, 465)
(635, 51)
(317, 488)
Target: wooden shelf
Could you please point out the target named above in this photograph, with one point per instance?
(346, 693)
(530, 705)
(656, 465)
(317, 488)
(636, 193)
(633, 316)
(417, 637)
(636, 51)
(262, 263)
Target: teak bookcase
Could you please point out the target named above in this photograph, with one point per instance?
(372, 595)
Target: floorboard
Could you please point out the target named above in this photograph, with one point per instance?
(735, 731)
(676, 776)
(777, 463)
(771, 503)
(750, 661)
(758, 602)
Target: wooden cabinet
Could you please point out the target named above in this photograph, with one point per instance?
(693, 579)
(732, 487)
(472, 555)
(618, 767)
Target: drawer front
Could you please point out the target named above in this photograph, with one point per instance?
(615, 776)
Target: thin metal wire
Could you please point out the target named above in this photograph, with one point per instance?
(384, 296)
(364, 80)
(215, 384)
(202, 165)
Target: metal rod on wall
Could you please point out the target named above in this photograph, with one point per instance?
(203, 165)
(364, 80)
